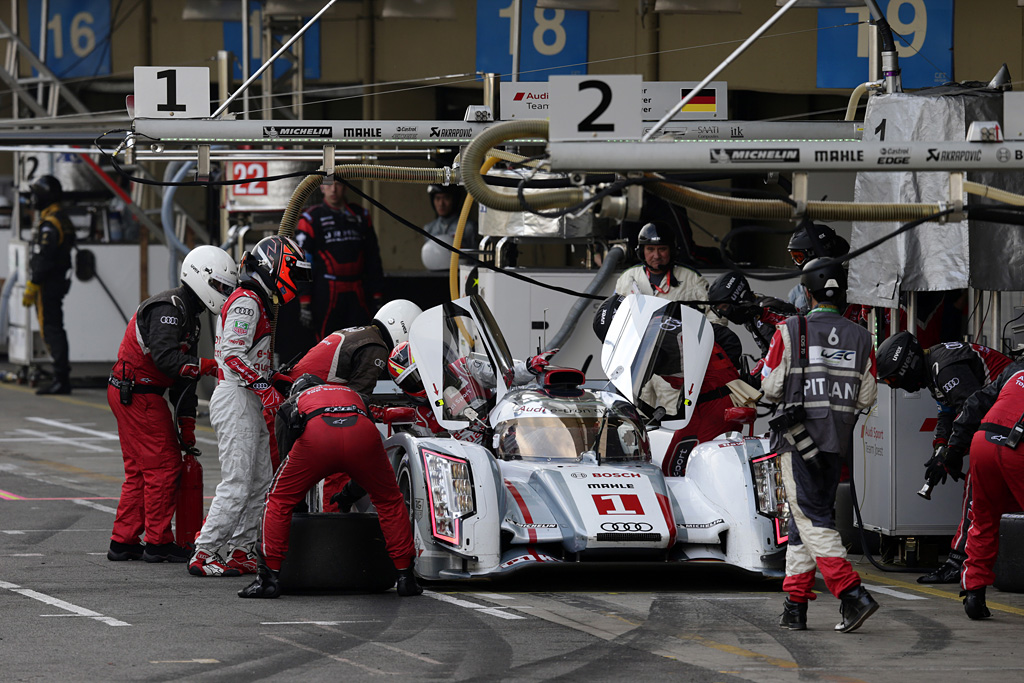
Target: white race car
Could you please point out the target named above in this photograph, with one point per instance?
(552, 472)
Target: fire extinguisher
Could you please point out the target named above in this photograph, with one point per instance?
(188, 515)
(188, 511)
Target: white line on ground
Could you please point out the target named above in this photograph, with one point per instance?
(494, 596)
(43, 436)
(885, 590)
(493, 611)
(94, 506)
(318, 623)
(74, 428)
(61, 604)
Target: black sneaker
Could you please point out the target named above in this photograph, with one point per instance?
(974, 603)
(857, 606)
(266, 584)
(59, 386)
(407, 583)
(165, 552)
(794, 616)
(122, 552)
(949, 572)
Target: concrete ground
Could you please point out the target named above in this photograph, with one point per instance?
(70, 614)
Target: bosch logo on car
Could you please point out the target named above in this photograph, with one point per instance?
(617, 474)
(626, 526)
(168, 320)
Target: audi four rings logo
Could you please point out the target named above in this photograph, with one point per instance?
(579, 475)
(168, 320)
(626, 526)
(242, 310)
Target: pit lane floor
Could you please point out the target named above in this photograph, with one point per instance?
(69, 614)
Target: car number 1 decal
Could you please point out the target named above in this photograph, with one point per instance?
(617, 504)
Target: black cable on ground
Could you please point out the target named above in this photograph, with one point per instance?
(864, 540)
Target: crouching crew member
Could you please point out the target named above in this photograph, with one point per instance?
(951, 371)
(333, 432)
(996, 475)
(822, 368)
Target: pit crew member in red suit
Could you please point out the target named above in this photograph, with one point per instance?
(333, 432)
(157, 356)
(990, 425)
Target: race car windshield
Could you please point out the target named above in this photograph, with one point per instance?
(562, 432)
(468, 376)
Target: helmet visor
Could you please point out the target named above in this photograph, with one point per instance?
(799, 257)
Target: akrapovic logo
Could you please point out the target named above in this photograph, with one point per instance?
(297, 131)
(754, 156)
(953, 155)
(436, 132)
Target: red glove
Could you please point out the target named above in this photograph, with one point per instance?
(756, 370)
(271, 397)
(208, 367)
(537, 364)
(187, 431)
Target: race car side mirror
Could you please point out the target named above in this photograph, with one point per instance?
(656, 417)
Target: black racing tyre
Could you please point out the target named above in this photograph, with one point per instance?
(332, 551)
(405, 486)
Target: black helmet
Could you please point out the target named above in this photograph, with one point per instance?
(306, 381)
(825, 279)
(732, 287)
(655, 234)
(900, 362)
(802, 248)
(45, 190)
(604, 315)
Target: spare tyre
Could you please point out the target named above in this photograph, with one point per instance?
(333, 551)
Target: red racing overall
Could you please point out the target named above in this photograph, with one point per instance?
(342, 438)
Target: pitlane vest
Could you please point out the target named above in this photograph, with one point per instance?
(839, 352)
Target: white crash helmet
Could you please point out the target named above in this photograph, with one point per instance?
(211, 274)
(394, 319)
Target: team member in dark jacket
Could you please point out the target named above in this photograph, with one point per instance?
(347, 272)
(822, 368)
(951, 371)
(990, 425)
(49, 276)
(333, 433)
(357, 357)
(158, 355)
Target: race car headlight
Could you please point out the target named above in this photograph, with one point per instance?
(450, 493)
(771, 493)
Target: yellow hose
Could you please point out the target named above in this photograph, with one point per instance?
(467, 206)
(993, 193)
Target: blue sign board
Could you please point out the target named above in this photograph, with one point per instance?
(77, 36)
(551, 41)
(233, 44)
(923, 30)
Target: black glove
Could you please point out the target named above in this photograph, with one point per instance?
(934, 472)
(953, 461)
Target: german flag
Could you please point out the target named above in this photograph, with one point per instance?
(704, 101)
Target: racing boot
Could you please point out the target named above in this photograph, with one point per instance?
(407, 583)
(206, 563)
(121, 552)
(857, 606)
(794, 616)
(266, 584)
(165, 552)
(949, 572)
(974, 603)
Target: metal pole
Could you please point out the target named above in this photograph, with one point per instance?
(277, 54)
(492, 85)
(245, 57)
(714, 72)
(517, 10)
(995, 341)
(44, 29)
